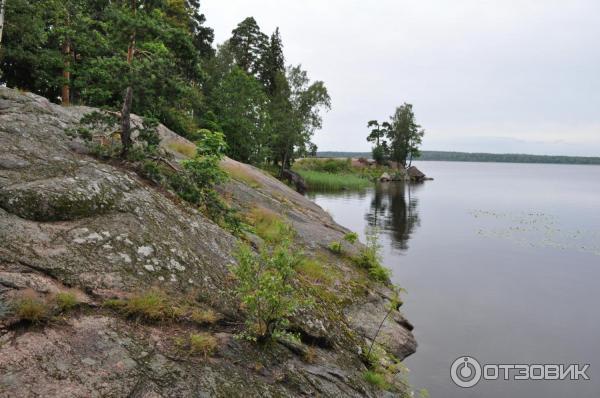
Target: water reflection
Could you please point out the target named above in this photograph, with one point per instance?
(394, 210)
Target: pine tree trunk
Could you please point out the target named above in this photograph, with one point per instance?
(66, 88)
(2, 3)
(128, 100)
(126, 121)
(283, 161)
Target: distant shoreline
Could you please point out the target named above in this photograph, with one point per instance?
(478, 157)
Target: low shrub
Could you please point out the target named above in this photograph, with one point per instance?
(329, 165)
(266, 291)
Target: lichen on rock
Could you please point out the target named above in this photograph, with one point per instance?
(70, 222)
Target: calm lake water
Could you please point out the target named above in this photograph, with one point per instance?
(500, 261)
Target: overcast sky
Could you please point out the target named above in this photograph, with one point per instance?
(495, 76)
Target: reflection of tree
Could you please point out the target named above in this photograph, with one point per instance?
(394, 210)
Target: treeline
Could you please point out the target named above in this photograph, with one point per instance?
(156, 58)
(478, 157)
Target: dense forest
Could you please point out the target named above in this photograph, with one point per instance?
(477, 157)
(157, 59)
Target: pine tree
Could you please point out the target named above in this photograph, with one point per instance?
(248, 43)
(203, 36)
(128, 97)
(2, 4)
(272, 62)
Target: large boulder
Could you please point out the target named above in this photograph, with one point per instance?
(414, 174)
(72, 223)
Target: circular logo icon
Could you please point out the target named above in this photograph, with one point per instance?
(465, 372)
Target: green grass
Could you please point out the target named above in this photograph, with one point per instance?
(241, 173)
(32, 310)
(334, 166)
(202, 343)
(151, 306)
(335, 247)
(315, 272)
(319, 180)
(204, 316)
(269, 225)
(184, 148)
(66, 301)
(376, 379)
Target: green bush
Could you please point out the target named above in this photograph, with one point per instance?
(148, 135)
(333, 166)
(265, 289)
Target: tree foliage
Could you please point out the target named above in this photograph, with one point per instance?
(397, 140)
(405, 135)
(95, 52)
(241, 104)
(248, 45)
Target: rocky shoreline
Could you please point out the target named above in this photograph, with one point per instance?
(72, 223)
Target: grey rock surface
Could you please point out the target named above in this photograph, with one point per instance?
(70, 222)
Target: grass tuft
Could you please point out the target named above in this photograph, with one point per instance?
(32, 310)
(202, 343)
(269, 225)
(184, 148)
(151, 306)
(314, 271)
(66, 301)
(310, 355)
(204, 316)
(376, 379)
(240, 173)
(156, 306)
(335, 247)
